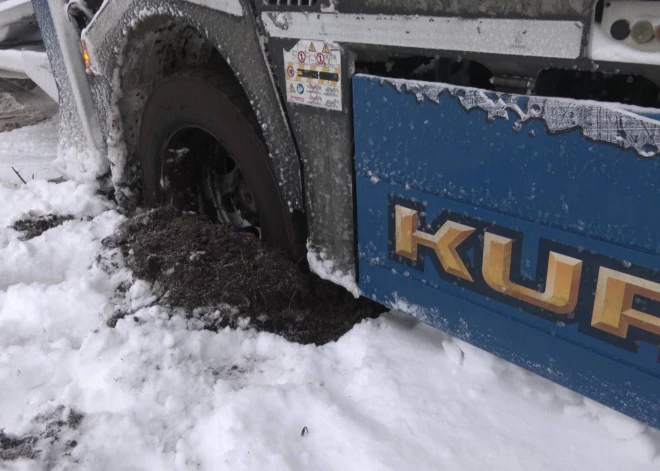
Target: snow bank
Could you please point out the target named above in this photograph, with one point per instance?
(39, 198)
(157, 394)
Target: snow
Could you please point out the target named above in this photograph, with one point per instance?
(157, 394)
(14, 11)
(323, 266)
(12, 60)
(37, 67)
(32, 64)
(31, 151)
(406, 307)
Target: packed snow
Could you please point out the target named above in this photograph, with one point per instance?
(30, 151)
(153, 393)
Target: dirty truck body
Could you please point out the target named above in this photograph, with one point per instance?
(488, 167)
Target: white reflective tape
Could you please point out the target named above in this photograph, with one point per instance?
(538, 38)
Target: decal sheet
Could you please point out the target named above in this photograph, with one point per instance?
(313, 74)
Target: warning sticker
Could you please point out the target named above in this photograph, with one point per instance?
(312, 70)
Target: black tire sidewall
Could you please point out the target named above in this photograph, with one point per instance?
(181, 102)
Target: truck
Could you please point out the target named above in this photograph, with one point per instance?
(485, 166)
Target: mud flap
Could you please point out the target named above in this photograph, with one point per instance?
(526, 226)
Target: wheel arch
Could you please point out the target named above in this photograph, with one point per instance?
(142, 46)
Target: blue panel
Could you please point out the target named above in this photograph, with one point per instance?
(586, 189)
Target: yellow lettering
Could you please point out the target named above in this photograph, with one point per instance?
(613, 311)
(444, 242)
(406, 225)
(562, 284)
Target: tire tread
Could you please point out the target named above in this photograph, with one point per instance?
(222, 78)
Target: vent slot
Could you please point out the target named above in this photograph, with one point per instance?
(291, 3)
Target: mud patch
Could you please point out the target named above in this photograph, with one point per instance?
(56, 429)
(219, 277)
(34, 226)
(13, 448)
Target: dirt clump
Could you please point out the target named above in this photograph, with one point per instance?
(55, 430)
(13, 447)
(220, 276)
(34, 226)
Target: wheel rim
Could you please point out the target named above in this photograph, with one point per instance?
(199, 173)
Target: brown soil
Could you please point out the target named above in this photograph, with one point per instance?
(35, 226)
(205, 268)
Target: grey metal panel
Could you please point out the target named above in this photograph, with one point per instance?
(325, 140)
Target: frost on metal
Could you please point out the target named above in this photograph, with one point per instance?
(600, 122)
(77, 158)
(324, 267)
(420, 313)
(118, 153)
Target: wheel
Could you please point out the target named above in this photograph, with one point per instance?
(201, 149)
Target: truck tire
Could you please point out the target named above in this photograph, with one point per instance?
(208, 101)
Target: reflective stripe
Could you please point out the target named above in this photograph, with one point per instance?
(538, 38)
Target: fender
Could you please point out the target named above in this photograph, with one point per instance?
(226, 24)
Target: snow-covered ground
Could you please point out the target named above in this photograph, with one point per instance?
(31, 151)
(154, 393)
